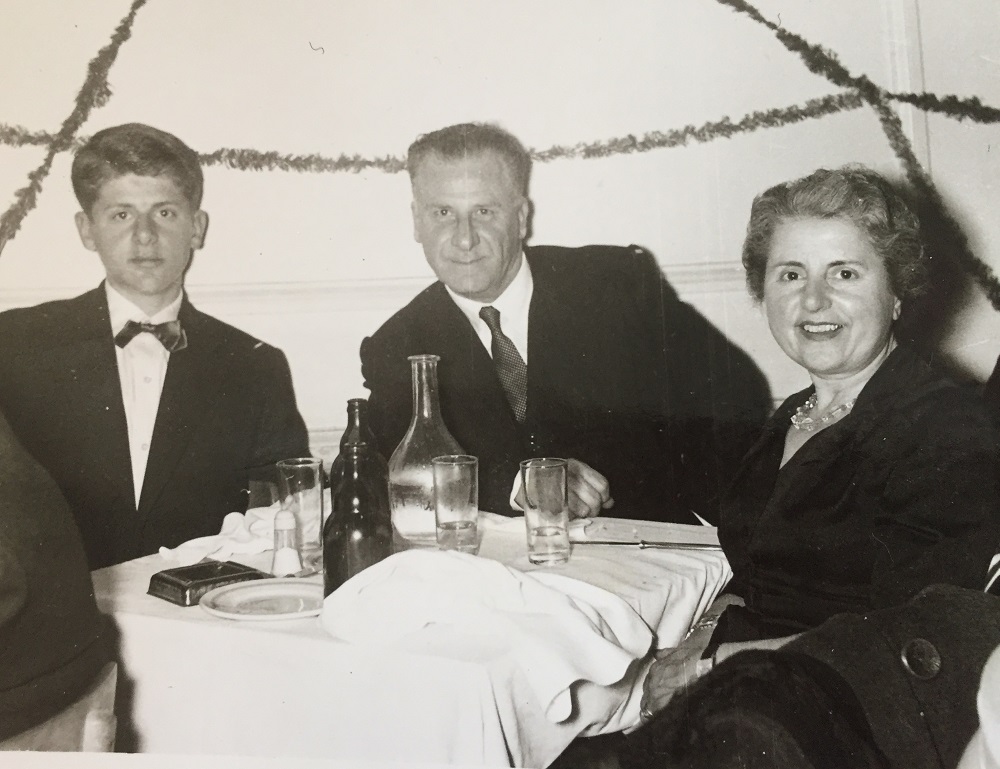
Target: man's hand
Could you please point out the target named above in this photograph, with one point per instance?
(589, 492)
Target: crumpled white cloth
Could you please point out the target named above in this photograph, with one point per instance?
(241, 533)
(560, 630)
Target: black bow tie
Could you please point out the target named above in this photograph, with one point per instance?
(170, 334)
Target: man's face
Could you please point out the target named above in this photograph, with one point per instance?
(470, 218)
(144, 230)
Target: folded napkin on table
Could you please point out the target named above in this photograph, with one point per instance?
(245, 534)
(560, 630)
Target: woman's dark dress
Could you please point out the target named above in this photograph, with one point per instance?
(902, 493)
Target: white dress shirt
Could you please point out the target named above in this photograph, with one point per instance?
(142, 367)
(513, 306)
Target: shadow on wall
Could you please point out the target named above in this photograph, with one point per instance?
(933, 317)
(720, 400)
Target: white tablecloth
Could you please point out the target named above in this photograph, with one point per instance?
(196, 684)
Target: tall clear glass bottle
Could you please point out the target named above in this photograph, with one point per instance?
(411, 475)
(358, 532)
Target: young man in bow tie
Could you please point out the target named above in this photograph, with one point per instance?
(151, 416)
(584, 353)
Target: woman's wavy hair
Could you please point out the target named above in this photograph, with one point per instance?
(855, 194)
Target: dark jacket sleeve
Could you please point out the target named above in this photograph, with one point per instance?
(281, 431)
(915, 669)
(390, 403)
(939, 517)
(54, 641)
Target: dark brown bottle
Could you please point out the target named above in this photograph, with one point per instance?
(358, 531)
(358, 431)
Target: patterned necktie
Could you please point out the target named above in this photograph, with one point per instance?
(509, 364)
(170, 334)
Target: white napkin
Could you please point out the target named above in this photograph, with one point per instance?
(240, 534)
(559, 629)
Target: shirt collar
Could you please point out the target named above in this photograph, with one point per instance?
(121, 310)
(512, 303)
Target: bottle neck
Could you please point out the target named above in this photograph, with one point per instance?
(425, 390)
(357, 422)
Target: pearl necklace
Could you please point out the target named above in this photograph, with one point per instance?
(802, 421)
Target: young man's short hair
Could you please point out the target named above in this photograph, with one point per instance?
(135, 148)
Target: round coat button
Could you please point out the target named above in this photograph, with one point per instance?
(921, 658)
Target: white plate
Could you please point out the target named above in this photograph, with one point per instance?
(265, 599)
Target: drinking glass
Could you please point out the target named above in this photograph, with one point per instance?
(301, 488)
(456, 502)
(546, 509)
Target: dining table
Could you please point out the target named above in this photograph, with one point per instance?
(197, 684)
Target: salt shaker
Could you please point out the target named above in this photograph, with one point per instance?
(286, 554)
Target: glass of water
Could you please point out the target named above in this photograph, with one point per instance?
(301, 489)
(546, 509)
(456, 502)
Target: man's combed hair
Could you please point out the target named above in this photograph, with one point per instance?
(135, 148)
(465, 139)
(855, 194)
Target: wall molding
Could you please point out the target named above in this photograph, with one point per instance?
(904, 53)
(293, 298)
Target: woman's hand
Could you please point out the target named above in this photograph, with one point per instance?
(672, 671)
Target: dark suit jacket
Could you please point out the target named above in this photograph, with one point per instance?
(53, 640)
(622, 375)
(227, 409)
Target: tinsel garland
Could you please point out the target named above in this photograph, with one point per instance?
(858, 90)
(255, 160)
(825, 63)
(246, 159)
(706, 132)
(94, 93)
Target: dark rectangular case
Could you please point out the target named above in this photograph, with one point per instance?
(185, 585)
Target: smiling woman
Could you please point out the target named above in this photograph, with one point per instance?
(881, 478)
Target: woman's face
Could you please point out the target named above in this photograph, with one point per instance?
(827, 297)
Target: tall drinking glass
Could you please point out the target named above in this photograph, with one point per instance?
(546, 509)
(456, 502)
(301, 488)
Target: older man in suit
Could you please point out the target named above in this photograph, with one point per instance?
(583, 353)
(151, 416)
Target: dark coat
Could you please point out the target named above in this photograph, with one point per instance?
(622, 375)
(53, 640)
(892, 688)
(226, 412)
(915, 670)
(902, 493)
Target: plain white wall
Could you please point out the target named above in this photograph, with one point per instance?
(313, 262)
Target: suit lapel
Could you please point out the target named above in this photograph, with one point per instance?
(194, 375)
(93, 392)
(550, 308)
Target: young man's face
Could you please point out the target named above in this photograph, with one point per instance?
(144, 230)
